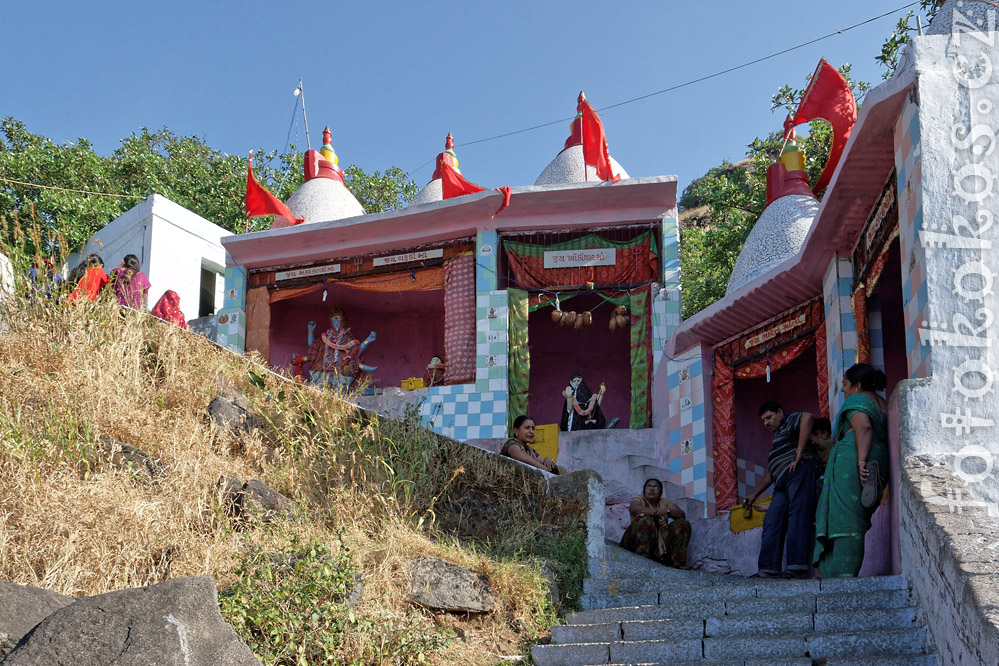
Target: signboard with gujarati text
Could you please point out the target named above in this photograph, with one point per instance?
(307, 272)
(574, 258)
(408, 257)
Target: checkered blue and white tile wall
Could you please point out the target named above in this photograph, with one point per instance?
(688, 462)
(841, 329)
(231, 318)
(492, 341)
(665, 318)
(464, 413)
(749, 475)
(909, 170)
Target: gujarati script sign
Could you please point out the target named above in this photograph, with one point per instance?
(307, 272)
(408, 257)
(573, 258)
(774, 331)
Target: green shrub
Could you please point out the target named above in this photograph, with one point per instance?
(291, 609)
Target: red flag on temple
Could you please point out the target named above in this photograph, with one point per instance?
(594, 141)
(261, 202)
(828, 96)
(453, 184)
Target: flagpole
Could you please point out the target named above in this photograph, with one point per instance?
(582, 139)
(301, 89)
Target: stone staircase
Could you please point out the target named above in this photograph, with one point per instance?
(642, 613)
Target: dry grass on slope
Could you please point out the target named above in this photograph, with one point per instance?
(71, 375)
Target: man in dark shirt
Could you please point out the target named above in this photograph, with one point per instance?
(791, 467)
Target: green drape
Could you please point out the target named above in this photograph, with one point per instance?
(519, 371)
(641, 357)
(587, 242)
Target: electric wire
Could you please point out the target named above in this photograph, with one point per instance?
(684, 84)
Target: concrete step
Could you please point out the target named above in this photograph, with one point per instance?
(876, 642)
(698, 607)
(861, 647)
(730, 626)
(900, 660)
(684, 580)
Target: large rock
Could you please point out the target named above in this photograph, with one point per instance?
(21, 608)
(231, 417)
(269, 504)
(127, 457)
(441, 585)
(176, 622)
(253, 498)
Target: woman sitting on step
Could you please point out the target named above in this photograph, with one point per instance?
(651, 534)
(519, 446)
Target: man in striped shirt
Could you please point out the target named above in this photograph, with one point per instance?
(790, 519)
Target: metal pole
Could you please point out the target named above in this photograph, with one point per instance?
(308, 143)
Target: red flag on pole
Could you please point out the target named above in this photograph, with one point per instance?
(828, 96)
(594, 141)
(261, 202)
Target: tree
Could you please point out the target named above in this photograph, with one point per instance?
(184, 169)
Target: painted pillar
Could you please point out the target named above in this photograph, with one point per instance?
(232, 317)
(666, 304)
(689, 458)
(909, 167)
(841, 328)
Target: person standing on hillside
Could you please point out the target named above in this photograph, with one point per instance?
(88, 279)
(791, 468)
(130, 284)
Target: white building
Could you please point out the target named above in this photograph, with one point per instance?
(178, 250)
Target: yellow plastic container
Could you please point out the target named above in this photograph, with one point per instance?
(546, 441)
(413, 383)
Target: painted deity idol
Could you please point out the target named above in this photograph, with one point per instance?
(335, 355)
(582, 407)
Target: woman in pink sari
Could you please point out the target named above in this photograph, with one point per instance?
(130, 285)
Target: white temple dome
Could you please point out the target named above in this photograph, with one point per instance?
(432, 191)
(777, 235)
(568, 167)
(324, 200)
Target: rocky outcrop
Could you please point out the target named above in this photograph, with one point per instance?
(253, 498)
(230, 409)
(176, 622)
(441, 585)
(127, 457)
(21, 608)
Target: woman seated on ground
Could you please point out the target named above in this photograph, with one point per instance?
(519, 446)
(168, 309)
(651, 534)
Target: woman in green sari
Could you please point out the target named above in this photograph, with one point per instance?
(858, 461)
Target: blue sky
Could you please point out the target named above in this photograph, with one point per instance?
(392, 78)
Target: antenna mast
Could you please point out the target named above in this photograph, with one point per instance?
(300, 92)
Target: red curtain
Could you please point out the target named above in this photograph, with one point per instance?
(822, 370)
(723, 421)
(459, 320)
(723, 434)
(632, 264)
